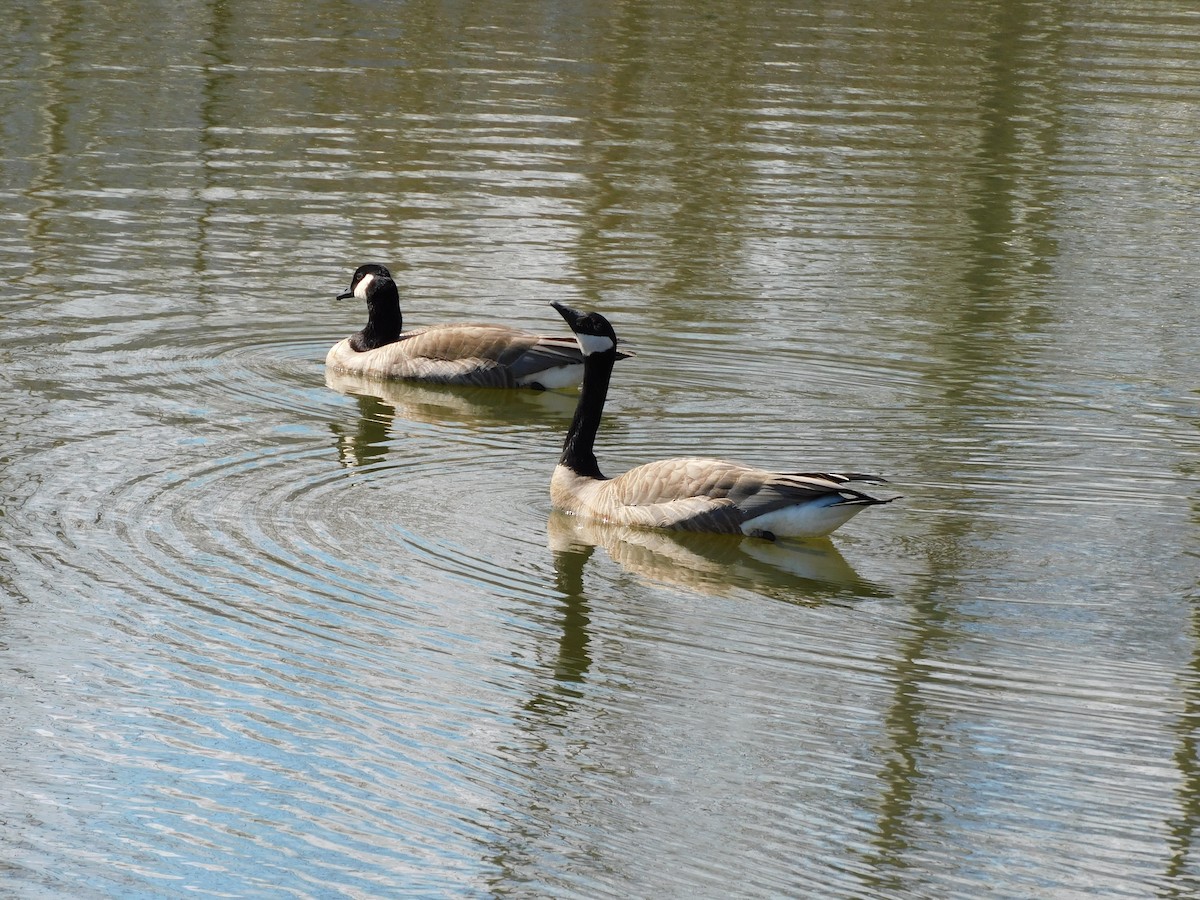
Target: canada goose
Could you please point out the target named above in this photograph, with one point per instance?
(687, 493)
(469, 353)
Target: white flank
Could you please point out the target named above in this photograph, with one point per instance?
(813, 519)
(556, 378)
(360, 289)
(594, 343)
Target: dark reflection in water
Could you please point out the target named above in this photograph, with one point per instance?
(905, 751)
(1012, 207)
(573, 659)
(1010, 249)
(662, 173)
(1185, 824)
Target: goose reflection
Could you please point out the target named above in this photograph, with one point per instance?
(382, 402)
(712, 564)
(364, 443)
(573, 660)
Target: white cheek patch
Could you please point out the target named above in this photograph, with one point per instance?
(594, 343)
(360, 289)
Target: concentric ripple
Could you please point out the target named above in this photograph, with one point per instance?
(235, 563)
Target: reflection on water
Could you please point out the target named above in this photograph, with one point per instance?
(797, 571)
(264, 633)
(387, 405)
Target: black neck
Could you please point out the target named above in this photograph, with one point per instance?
(383, 325)
(577, 453)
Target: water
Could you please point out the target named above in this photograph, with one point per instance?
(264, 634)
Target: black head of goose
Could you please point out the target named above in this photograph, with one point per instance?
(373, 284)
(467, 353)
(688, 493)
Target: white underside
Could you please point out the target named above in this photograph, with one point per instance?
(556, 378)
(806, 520)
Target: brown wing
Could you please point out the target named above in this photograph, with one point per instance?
(686, 493)
(683, 477)
(470, 341)
(694, 493)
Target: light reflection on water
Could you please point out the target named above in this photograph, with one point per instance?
(268, 631)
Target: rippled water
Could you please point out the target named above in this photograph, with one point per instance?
(268, 632)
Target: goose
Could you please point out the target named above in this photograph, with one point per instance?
(688, 493)
(476, 354)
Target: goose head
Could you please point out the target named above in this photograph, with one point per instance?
(364, 277)
(592, 330)
(373, 284)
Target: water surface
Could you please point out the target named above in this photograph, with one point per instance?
(265, 632)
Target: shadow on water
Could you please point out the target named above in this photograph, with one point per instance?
(713, 564)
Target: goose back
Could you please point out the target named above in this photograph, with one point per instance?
(477, 354)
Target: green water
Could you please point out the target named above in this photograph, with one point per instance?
(267, 635)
